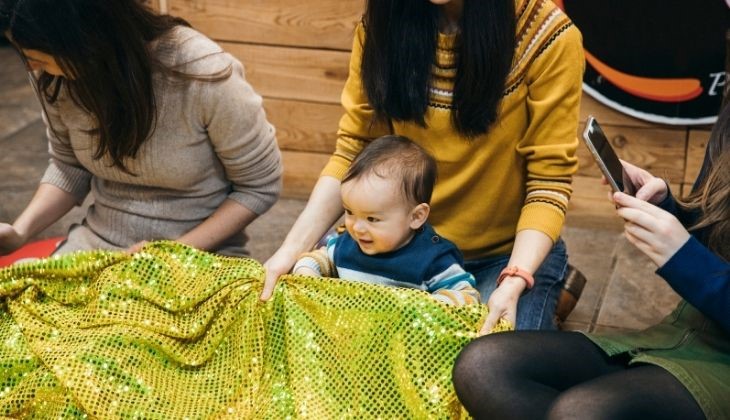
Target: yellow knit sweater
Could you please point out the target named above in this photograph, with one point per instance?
(518, 175)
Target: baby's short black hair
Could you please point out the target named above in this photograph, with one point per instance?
(397, 156)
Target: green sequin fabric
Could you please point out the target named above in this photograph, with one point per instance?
(173, 332)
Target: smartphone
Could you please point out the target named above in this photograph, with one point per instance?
(606, 158)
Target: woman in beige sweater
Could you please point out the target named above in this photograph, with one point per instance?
(151, 118)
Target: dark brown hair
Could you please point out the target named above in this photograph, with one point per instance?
(103, 48)
(400, 50)
(397, 156)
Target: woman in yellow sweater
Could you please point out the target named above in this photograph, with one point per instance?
(491, 90)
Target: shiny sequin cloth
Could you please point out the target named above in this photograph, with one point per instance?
(172, 332)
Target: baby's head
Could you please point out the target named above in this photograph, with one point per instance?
(386, 193)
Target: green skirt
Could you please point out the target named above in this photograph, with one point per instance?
(690, 346)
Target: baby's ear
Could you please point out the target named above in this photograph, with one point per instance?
(419, 215)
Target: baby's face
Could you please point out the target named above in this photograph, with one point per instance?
(377, 215)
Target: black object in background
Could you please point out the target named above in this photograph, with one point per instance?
(659, 40)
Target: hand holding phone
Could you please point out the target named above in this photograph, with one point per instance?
(606, 158)
(648, 187)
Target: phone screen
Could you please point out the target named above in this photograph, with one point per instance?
(606, 158)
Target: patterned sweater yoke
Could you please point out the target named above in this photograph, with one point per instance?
(539, 23)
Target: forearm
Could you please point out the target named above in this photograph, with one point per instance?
(323, 209)
(49, 204)
(530, 249)
(229, 218)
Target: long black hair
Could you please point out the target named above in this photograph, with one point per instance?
(400, 49)
(102, 47)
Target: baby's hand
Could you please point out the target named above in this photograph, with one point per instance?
(306, 271)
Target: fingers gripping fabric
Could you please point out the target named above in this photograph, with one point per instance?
(172, 332)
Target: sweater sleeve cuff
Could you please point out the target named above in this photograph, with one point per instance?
(669, 204)
(542, 217)
(74, 180)
(257, 201)
(681, 275)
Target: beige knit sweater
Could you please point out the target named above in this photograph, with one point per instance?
(212, 141)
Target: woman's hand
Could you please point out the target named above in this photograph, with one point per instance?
(503, 303)
(10, 239)
(136, 247)
(530, 249)
(323, 208)
(230, 217)
(656, 233)
(279, 264)
(648, 187)
(48, 205)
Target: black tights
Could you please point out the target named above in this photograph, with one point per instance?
(559, 375)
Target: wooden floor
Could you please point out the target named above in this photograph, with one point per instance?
(622, 290)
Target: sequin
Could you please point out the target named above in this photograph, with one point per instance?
(172, 332)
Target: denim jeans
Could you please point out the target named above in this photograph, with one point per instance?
(536, 307)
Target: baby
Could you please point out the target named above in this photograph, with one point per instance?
(386, 194)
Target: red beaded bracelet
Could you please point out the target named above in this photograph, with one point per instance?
(517, 272)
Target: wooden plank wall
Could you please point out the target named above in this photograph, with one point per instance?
(296, 56)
